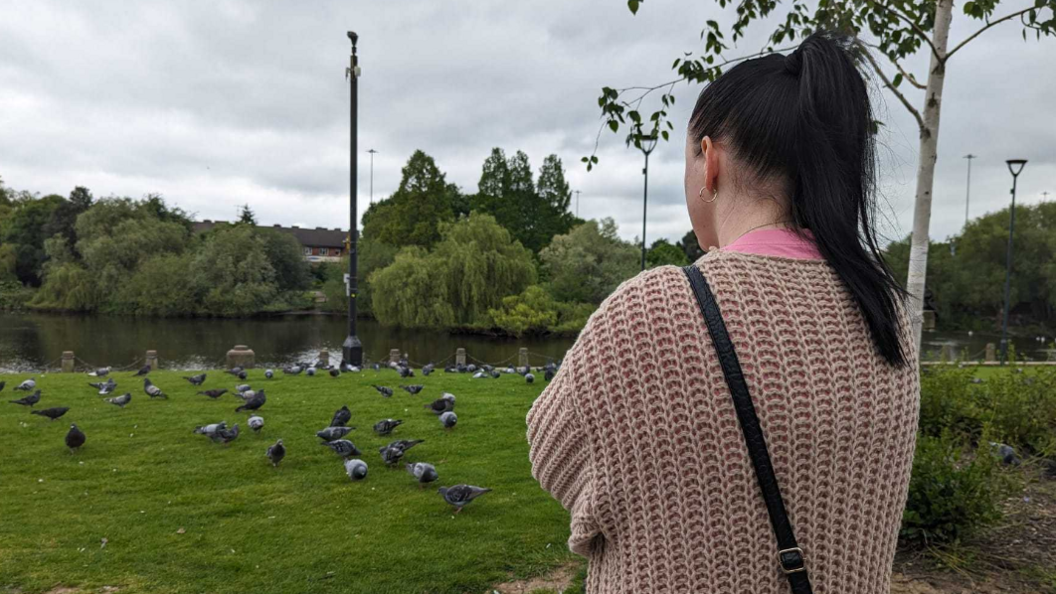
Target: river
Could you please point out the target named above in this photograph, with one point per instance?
(36, 341)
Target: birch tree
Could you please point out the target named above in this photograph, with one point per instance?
(889, 33)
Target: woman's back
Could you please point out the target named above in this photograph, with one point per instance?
(638, 438)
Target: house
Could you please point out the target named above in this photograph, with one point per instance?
(318, 245)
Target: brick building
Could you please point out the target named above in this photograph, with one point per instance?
(318, 245)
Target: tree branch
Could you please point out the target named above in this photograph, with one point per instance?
(988, 25)
(906, 75)
(916, 28)
(891, 87)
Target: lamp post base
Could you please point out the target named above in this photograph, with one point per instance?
(352, 351)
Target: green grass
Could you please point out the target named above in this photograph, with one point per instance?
(248, 527)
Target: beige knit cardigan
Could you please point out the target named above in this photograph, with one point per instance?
(637, 437)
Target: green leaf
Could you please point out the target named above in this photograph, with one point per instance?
(633, 5)
(614, 125)
(897, 81)
(664, 134)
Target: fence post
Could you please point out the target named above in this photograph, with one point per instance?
(946, 355)
(324, 358)
(67, 361)
(991, 352)
(460, 356)
(152, 360)
(522, 357)
(241, 356)
(394, 355)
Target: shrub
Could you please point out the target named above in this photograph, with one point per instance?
(14, 296)
(536, 312)
(947, 401)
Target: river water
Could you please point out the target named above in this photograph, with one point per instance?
(36, 341)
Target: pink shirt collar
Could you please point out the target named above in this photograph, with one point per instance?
(784, 243)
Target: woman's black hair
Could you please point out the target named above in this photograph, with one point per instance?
(803, 121)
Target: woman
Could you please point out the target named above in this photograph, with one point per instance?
(637, 435)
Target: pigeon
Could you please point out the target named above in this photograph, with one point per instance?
(51, 413)
(235, 371)
(393, 452)
(2, 384)
(413, 389)
(101, 372)
(74, 438)
(276, 453)
(108, 388)
(242, 388)
(294, 370)
(246, 396)
(1006, 453)
(143, 370)
(28, 400)
(479, 375)
(440, 406)
(385, 426)
(255, 423)
(196, 380)
(226, 436)
(335, 372)
(27, 385)
(448, 420)
(310, 372)
(101, 385)
(332, 433)
(269, 373)
(425, 473)
(152, 390)
(428, 369)
(977, 380)
(495, 373)
(448, 396)
(386, 392)
(215, 393)
(548, 374)
(529, 378)
(460, 495)
(242, 375)
(377, 367)
(356, 469)
(121, 400)
(211, 429)
(405, 372)
(471, 368)
(511, 370)
(343, 448)
(253, 403)
(341, 417)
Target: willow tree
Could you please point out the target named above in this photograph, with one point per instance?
(889, 32)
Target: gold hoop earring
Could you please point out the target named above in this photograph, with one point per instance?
(714, 195)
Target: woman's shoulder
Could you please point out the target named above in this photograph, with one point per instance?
(639, 298)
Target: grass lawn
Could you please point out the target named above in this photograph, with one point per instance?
(182, 514)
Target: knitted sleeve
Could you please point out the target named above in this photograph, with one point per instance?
(560, 451)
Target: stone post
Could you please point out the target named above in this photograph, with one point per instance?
(991, 352)
(152, 360)
(522, 357)
(67, 361)
(946, 355)
(929, 319)
(241, 356)
(324, 358)
(460, 356)
(394, 355)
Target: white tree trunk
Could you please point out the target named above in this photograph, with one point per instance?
(929, 141)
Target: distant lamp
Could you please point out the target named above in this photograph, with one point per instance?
(646, 143)
(1015, 166)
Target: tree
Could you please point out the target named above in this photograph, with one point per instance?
(690, 246)
(588, 263)
(233, 274)
(895, 29)
(284, 253)
(662, 252)
(25, 230)
(246, 216)
(412, 214)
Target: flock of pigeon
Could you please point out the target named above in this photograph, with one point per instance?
(332, 436)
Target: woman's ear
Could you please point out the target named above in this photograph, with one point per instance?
(711, 164)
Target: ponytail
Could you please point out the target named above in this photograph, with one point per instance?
(805, 119)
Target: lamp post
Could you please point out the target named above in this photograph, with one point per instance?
(1015, 166)
(646, 143)
(352, 349)
(372, 153)
(577, 204)
(968, 188)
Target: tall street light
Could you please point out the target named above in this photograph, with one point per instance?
(968, 189)
(352, 349)
(577, 204)
(646, 143)
(1015, 166)
(372, 153)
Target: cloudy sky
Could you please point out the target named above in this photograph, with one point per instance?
(220, 103)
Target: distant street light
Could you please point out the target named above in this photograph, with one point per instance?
(577, 204)
(968, 189)
(1015, 166)
(646, 143)
(372, 153)
(352, 349)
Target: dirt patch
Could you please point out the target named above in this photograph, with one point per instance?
(557, 580)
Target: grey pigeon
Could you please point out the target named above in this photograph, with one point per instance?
(386, 392)
(449, 420)
(393, 452)
(196, 380)
(253, 403)
(405, 372)
(27, 385)
(310, 372)
(332, 433)
(235, 371)
(51, 413)
(335, 372)
(511, 370)
(385, 426)
(74, 438)
(242, 388)
(101, 385)
(440, 406)
(211, 429)
(226, 436)
(471, 368)
(341, 417)
(121, 400)
(276, 453)
(152, 390)
(293, 370)
(28, 400)
(101, 372)
(143, 371)
(425, 473)
(479, 375)
(448, 396)
(342, 447)
(428, 369)
(415, 389)
(495, 374)
(376, 367)
(356, 469)
(460, 495)
(108, 388)
(269, 374)
(529, 378)
(255, 423)
(247, 395)
(548, 374)
(1006, 453)
(214, 393)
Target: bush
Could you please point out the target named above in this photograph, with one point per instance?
(536, 312)
(947, 402)
(952, 494)
(14, 296)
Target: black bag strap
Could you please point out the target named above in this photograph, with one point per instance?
(790, 556)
